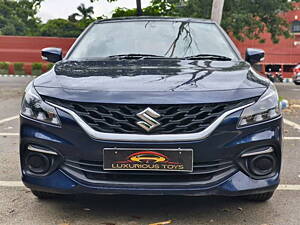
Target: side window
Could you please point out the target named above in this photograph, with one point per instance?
(296, 27)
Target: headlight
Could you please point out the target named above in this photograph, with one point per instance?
(266, 108)
(34, 107)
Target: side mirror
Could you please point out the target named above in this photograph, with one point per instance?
(254, 55)
(52, 54)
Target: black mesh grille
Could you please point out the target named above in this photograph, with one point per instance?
(174, 119)
(204, 171)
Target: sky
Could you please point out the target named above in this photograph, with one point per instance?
(52, 9)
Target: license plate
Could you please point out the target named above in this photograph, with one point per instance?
(148, 159)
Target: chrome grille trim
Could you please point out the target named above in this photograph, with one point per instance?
(148, 138)
(40, 150)
(204, 173)
(267, 151)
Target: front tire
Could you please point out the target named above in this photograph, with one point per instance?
(260, 197)
(297, 83)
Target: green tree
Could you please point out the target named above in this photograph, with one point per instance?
(138, 10)
(246, 18)
(61, 28)
(243, 18)
(19, 17)
(84, 13)
(157, 8)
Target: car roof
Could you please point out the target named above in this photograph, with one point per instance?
(154, 18)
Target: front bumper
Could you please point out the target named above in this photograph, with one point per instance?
(237, 185)
(225, 143)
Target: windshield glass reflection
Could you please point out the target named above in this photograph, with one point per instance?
(173, 39)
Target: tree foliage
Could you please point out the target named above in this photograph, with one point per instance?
(84, 13)
(72, 27)
(246, 18)
(243, 18)
(157, 8)
(61, 28)
(19, 17)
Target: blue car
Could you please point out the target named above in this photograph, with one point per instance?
(151, 106)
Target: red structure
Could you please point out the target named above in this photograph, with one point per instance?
(28, 49)
(283, 56)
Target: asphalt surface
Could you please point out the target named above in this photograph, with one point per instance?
(19, 206)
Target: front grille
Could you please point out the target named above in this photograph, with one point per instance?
(174, 119)
(207, 172)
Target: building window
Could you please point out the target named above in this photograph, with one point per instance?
(273, 68)
(288, 68)
(296, 27)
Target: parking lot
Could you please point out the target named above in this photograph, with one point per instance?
(19, 206)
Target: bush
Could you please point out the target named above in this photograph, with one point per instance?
(36, 66)
(4, 66)
(18, 66)
(50, 66)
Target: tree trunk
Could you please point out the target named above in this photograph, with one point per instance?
(139, 8)
(217, 11)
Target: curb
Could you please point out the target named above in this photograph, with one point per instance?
(10, 75)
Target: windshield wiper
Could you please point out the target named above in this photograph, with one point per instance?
(209, 56)
(135, 56)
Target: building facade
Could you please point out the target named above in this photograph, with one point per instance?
(283, 56)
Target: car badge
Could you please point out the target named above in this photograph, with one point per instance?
(148, 116)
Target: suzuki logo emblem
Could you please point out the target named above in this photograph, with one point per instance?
(148, 116)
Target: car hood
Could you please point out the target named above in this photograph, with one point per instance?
(151, 81)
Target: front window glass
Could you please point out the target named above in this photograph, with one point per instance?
(161, 38)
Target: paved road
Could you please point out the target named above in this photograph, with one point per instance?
(289, 90)
(18, 206)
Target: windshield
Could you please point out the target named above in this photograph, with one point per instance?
(157, 38)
